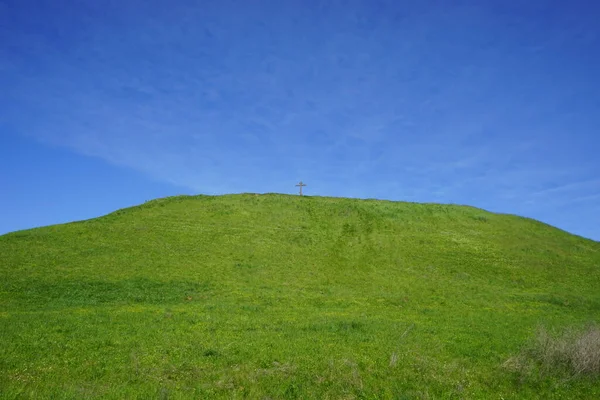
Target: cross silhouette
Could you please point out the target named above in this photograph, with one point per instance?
(301, 185)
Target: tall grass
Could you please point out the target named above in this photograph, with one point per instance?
(574, 352)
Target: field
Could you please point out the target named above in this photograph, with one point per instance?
(276, 296)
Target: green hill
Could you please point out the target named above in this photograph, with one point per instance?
(276, 296)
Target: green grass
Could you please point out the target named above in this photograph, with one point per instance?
(275, 296)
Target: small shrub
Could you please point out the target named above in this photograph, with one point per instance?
(576, 352)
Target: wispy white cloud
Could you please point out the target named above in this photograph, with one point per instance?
(586, 185)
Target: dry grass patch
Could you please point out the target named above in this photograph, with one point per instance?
(576, 352)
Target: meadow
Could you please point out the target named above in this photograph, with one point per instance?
(275, 296)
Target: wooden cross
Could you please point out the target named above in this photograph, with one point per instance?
(301, 184)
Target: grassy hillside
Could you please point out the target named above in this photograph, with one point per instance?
(275, 296)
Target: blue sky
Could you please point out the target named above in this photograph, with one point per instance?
(106, 104)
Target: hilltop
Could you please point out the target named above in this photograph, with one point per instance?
(277, 296)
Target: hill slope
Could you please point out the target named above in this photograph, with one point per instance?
(284, 296)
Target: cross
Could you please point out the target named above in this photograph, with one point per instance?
(301, 184)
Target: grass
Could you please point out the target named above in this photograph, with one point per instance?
(572, 353)
(275, 296)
